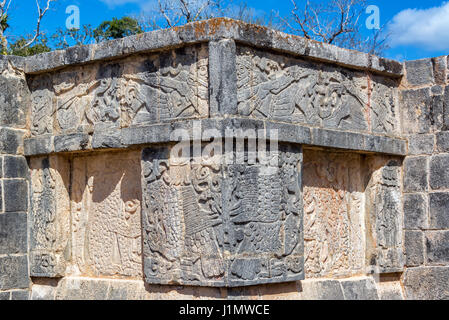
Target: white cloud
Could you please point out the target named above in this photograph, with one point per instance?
(115, 3)
(428, 28)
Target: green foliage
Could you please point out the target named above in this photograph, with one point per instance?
(64, 38)
(17, 48)
(117, 28)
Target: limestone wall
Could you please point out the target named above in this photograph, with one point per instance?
(96, 203)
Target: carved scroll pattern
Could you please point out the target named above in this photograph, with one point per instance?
(334, 208)
(224, 225)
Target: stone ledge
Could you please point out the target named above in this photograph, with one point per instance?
(212, 30)
(163, 133)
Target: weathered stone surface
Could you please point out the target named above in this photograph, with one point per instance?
(416, 174)
(15, 167)
(50, 216)
(21, 295)
(14, 99)
(421, 144)
(39, 146)
(416, 111)
(140, 89)
(13, 233)
(293, 90)
(427, 283)
(333, 214)
(15, 193)
(71, 142)
(322, 290)
(385, 222)
(442, 141)
(437, 244)
(363, 289)
(415, 211)
(106, 220)
(439, 210)
(439, 173)
(419, 72)
(10, 140)
(14, 272)
(4, 296)
(223, 77)
(81, 289)
(414, 248)
(242, 223)
(390, 290)
(440, 69)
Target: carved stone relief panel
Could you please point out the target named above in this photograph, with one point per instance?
(384, 211)
(384, 105)
(333, 214)
(288, 89)
(50, 216)
(106, 215)
(217, 224)
(138, 89)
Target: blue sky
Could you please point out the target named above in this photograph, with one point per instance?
(419, 28)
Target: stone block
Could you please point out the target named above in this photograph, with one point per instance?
(440, 69)
(416, 111)
(39, 146)
(439, 210)
(322, 290)
(14, 100)
(103, 139)
(363, 289)
(14, 272)
(20, 295)
(72, 142)
(332, 203)
(13, 233)
(419, 72)
(414, 248)
(439, 173)
(50, 216)
(416, 174)
(442, 141)
(250, 214)
(82, 289)
(223, 77)
(446, 108)
(10, 140)
(106, 237)
(421, 144)
(384, 234)
(427, 283)
(15, 167)
(4, 296)
(415, 211)
(437, 244)
(15, 192)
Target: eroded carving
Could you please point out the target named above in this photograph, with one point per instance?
(333, 214)
(106, 220)
(213, 224)
(50, 216)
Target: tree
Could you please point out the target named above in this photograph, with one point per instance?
(335, 22)
(23, 42)
(117, 28)
(19, 48)
(64, 38)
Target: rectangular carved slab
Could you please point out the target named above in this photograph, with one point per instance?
(221, 225)
(279, 87)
